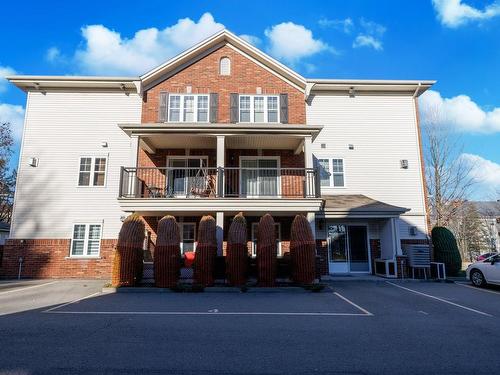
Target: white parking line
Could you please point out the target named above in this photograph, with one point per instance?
(366, 312)
(180, 313)
(478, 289)
(440, 299)
(28, 287)
(69, 303)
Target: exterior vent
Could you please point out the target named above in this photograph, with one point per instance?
(351, 146)
(404, 163)
(412, 231)
(323, 145)
(33, 162)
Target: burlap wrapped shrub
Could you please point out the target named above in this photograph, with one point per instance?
(206, 250)
(266, 252)
(167, 253)
(302, 251)
(237, 251)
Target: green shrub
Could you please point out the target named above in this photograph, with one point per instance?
(446, 250)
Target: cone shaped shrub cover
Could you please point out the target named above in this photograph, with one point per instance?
(237, 251)
(206, 249)
(128, 256)
(302, 251)
(266, 252)
(167, 254)
(446, 250)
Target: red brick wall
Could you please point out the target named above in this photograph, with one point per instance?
(49, 258)
(203, 76)
(292, 181)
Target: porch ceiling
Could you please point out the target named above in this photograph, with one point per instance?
(203, 141)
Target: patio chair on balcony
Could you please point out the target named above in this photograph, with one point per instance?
(202, 184)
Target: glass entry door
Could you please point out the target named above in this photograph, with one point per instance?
(259, 177)
(348, 248)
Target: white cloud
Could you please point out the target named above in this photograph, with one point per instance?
(15, 115)
(454, 13)
(346, 25)
(106, 51)
(485, 172)
(5, 71)
(252, 39)
(371, 36)
(53, 54)
(459, 113)
(367, 41)
(291, 42)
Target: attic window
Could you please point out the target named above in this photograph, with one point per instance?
(225, 66)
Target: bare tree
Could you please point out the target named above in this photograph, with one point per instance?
(449, 178)
(7, 177)
(470, 231)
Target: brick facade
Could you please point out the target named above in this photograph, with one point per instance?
(203, 77)
(49, 258)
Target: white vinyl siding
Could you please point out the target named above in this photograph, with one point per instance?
(188, 108)
(259, 108)
(86, 240)
(383, 131)
(60, 128)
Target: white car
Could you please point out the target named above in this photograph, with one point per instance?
(485, 271)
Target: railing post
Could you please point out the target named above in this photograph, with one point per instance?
(317, 183)
(120, 188)
(220, 182)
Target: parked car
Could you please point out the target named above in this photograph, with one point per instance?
(485, 271)
(484, 256)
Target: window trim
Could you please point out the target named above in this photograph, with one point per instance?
(92, 170)
(331, 172)
(266, 109)
(181, 230)
(181, 108)
(85, 240)
(229, 66)
(253, 240)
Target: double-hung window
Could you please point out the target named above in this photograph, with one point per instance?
(331, 172)
(188, 108)
(259, 108)
(92, 171)
(86, 240)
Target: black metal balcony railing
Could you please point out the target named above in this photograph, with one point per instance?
(229, 182)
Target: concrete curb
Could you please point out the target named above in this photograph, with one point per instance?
(213, 289)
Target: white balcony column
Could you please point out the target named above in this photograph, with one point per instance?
(132, 183)
(308, 155)
(219, 221)
(134, 150)
(221, 153)
(311, 217)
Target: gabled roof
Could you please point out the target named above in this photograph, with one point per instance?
(213, 42)
(205, 47)
(359, 205)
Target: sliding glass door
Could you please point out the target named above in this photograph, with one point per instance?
(186, 174)
(259, 177)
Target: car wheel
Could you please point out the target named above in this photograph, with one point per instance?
(477, 278)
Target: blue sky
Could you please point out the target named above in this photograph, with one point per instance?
(456, 42)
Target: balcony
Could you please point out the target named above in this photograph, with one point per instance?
(153, 191)
(219, 183)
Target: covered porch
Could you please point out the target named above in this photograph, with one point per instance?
(359, 235)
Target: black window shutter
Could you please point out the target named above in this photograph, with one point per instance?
(234, 110)
(284, 108)
(214, 107)
(163, 107)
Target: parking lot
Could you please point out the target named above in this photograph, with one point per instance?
(353, 327)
